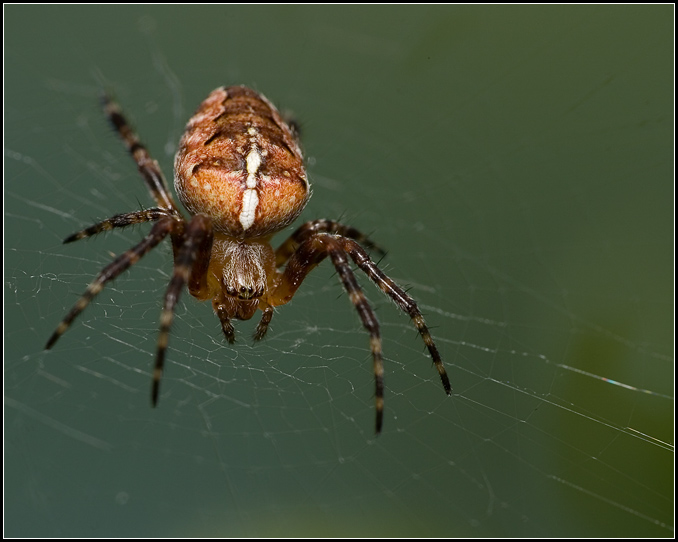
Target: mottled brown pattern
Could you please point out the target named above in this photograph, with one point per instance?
(211, 168)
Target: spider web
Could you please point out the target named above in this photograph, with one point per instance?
(517, 165)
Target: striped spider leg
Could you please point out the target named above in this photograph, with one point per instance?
(315, 241)
(291, 244)
(191, 241)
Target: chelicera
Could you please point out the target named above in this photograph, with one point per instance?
(239, 173)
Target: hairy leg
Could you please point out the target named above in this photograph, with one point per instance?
(159, 231)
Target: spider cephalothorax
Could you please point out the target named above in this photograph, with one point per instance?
(239, 172)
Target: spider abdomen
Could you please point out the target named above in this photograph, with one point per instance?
(239, 163)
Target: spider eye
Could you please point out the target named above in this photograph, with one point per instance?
(245, 292)
(248, 292)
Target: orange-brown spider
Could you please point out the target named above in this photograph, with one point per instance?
(240, 174)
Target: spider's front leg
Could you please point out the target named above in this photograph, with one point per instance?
(307, 256)
(191, 261)
(122, 220)
(311, 252)
(160, 230)
(304, 232)
(314, 227)
(402, 299)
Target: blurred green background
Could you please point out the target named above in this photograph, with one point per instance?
(516, 161)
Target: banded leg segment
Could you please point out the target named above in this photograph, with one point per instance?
(148, 167)
(120, 221)
(308, 255)
(197, 234)
(400, 297)
(159, 231)
(305, 231)
(370, 322)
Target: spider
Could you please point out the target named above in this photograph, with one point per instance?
(239, 173)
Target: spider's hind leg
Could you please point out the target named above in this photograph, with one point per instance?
(148, 167)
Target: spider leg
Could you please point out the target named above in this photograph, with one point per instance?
(262, 326)
(305, 231)
(148, 167)
(159, 231)
(370, 323)
(309, 254)
(197, 239)
(120, 221)
(197, 282)
(404, 301)
(226, 326)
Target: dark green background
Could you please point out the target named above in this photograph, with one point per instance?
(517, 162)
